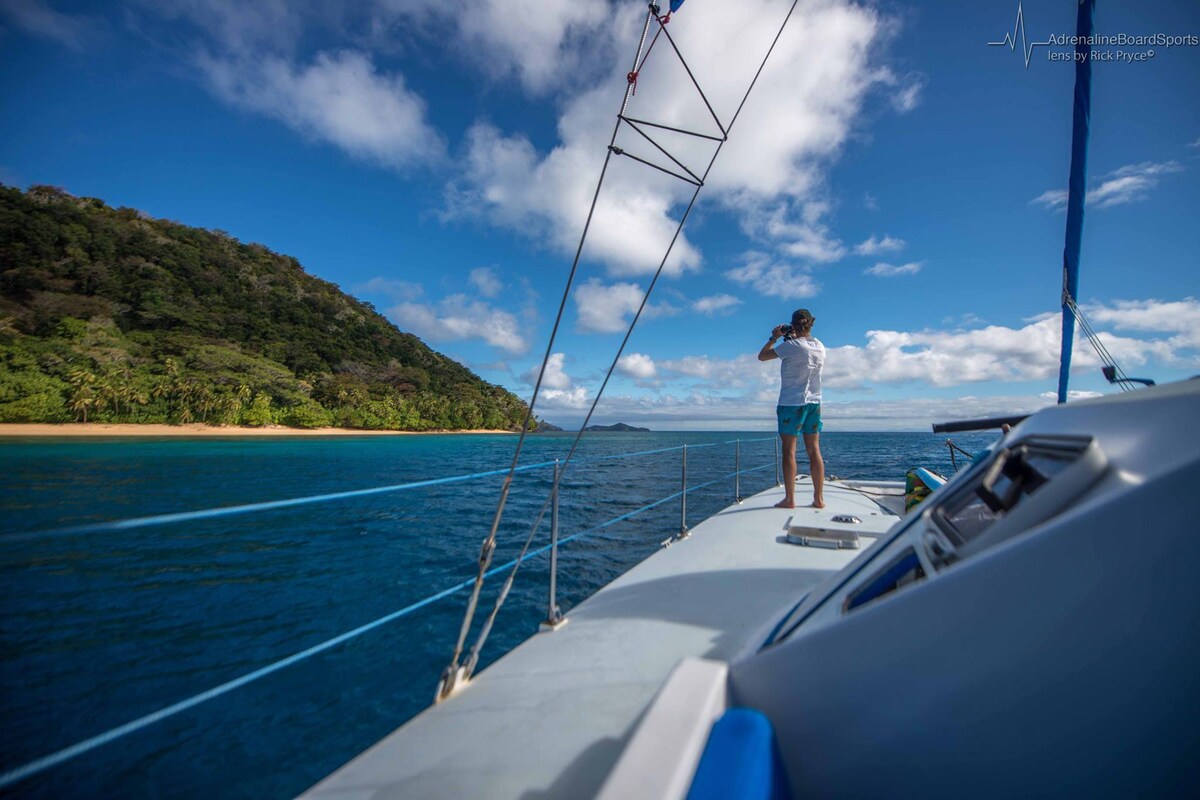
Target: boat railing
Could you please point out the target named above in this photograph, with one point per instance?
(553, 617)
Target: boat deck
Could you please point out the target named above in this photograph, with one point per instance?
(550, 718)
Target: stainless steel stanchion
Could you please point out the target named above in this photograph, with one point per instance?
(777, 481)
(683, 528)
(554, 617)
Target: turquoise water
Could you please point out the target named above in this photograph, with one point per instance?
(99, 629)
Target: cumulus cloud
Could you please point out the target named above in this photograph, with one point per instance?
(555, 376)
(605, 308)
(885, 270)
(456, 317)
(640, 367)
(37, 18)
(774, 278)
(558, 388)
(716, 304)
(874, 245)
(1180, 318)
(558, 391)
(486, 281)
(1129, 184)
(340, 98)
(797, 230)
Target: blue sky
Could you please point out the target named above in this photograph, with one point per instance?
(892, 172)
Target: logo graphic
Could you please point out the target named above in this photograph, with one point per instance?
(1010, 39)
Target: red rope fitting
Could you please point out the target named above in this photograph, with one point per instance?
(632, 78)
(665, 18)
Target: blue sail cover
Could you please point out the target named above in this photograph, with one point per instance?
(675, 4)
(1077, 186)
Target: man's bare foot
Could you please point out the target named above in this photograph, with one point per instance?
(786, 504)
(818, 503)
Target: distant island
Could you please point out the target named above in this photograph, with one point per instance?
(111, 316)
(620, 427)
(547, 427)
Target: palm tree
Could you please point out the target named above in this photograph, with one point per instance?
(83, 396)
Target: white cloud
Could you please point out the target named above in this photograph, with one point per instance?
(486, 281)
(797, 229)
(743, 373)
(1180, 318)
(638, 366)
(37, 18)
(558, 388)
(560, 399)
(774, 278)
(340, 98)
(885, 270)
(907, 92)
(870, 202)
(1129, 184)
(716, 304)
(873, 246)
(456, 317)
(555, 376)
(608, 308)
(1195, 143)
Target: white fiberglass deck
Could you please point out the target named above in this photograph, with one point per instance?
(551, 718)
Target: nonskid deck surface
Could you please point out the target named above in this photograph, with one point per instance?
(551, 717)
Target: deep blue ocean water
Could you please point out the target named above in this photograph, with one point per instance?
(98, 629)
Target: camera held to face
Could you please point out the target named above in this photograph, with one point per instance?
(788, 331)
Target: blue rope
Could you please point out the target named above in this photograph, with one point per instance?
(79, 748)
(229, 511)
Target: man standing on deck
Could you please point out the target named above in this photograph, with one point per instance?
(802, 358)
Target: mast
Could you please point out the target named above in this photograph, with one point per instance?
(1077, 186)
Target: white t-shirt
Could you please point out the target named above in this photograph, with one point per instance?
(800, 363)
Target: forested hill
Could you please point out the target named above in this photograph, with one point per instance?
(108, 315)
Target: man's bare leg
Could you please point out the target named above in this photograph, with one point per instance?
(812, 446)
(789, 472)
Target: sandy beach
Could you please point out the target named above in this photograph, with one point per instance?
(194, 430)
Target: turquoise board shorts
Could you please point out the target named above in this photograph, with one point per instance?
(794, 420)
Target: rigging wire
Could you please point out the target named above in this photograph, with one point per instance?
(449, 675)
(1093, 338)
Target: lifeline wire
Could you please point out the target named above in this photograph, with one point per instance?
(474, 657)
(79, 748)
(249, 508)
